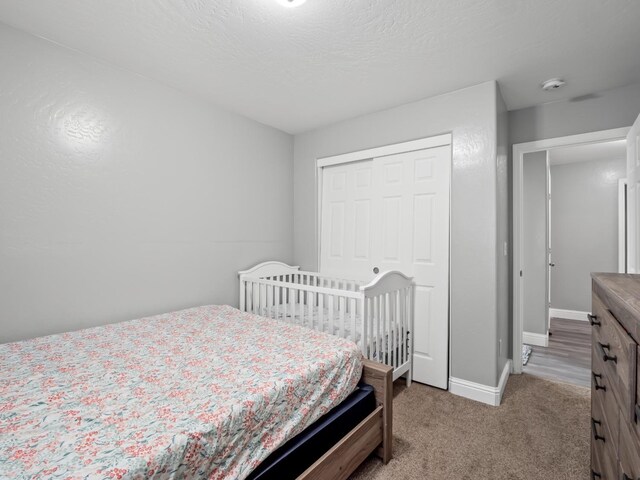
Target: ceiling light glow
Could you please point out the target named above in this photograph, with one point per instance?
(291, 3)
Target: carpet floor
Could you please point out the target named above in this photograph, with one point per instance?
(540, 431)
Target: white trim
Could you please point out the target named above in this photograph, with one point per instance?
(568, 314)
(518, 151)
(420, 144)
(479, 392)
(538, 339)
(622, 225)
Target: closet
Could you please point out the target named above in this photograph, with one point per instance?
(388, 209)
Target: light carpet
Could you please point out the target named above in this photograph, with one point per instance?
(541, 431)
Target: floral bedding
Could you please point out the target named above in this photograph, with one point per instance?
(207, 392)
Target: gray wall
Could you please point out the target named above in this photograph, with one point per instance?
(122, 197)
(604, 110)
(534, 243)
(584, 228)
(614, 108)
(503, 229)
(471, 115)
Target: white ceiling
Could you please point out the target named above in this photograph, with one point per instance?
(328, 60)
(587, 153)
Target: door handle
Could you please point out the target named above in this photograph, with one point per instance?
(605, 350)
(594, 429)
(597, 385)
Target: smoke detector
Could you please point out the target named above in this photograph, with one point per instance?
(553, 84)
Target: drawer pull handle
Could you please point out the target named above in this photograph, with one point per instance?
(594, 429)
(637, 413)
(595, 475)
(625, 477)
(593, 320)
(597, 385)
(606, 355)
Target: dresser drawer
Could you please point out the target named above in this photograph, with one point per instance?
(605, 426)
(635, 421)
(618, 351)
(628, 452)
(604, 464)
(604, 406)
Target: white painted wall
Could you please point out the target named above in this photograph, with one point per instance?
(584, 228)
(614, 108)
(471, 115)
(122, 197)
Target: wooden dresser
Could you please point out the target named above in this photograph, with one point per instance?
(615, 387)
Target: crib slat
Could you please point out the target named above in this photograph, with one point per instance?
(353, 320)
(396, 343)
(321, 311)
(310, 308)
(404, 323)
(341, 307)
(402, 334)
(363, 326)
(331, 313)
(376, 324)
(385, 331)
(292, 305)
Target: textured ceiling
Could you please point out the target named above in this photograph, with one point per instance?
(615, 150)
(327, 60)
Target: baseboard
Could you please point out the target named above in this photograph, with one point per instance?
(538, 339)
(568, 314)
(479, 392)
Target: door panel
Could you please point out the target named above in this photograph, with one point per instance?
(345, 237)
(417, 184)
(396, 217)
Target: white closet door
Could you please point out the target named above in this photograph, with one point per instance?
(346, 232)
(393, 213)
(412, 235)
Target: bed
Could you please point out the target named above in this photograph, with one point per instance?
(376, 315)
(207, 392)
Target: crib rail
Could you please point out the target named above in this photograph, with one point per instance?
(378, 315)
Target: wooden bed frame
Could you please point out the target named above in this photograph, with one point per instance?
(374, 433)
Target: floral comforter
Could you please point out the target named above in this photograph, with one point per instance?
(207, 392)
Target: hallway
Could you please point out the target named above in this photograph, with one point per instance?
(568, 356)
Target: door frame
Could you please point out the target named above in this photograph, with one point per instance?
(622, 225)
(519, 150)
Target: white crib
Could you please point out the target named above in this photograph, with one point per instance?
(378, 316)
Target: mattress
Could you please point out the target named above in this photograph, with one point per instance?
(295, 456)
(208, 392)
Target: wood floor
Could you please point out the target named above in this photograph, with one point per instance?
(568, 356)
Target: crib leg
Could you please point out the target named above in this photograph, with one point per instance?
(408, 377)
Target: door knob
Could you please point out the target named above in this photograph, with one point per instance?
(376, 270)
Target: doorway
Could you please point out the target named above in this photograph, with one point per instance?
(553, 233)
